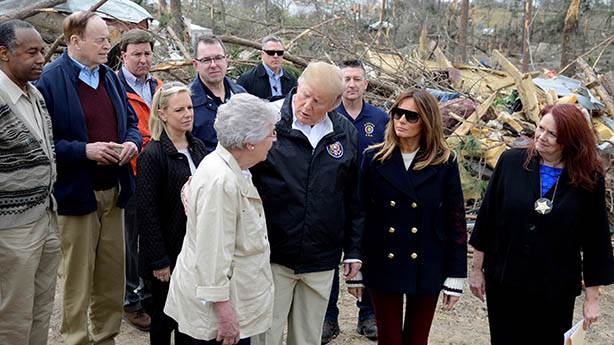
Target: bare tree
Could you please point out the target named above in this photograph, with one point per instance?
(526, 27)
(161, 7)
(176, 21)
(461, 55)
(570, 28)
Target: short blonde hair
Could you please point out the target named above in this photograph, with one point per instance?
(160, 101)
(324, 77)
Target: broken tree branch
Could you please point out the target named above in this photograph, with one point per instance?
(180, 45)
(291, 43)
(30, 10)
(606, 41)
(601, 91)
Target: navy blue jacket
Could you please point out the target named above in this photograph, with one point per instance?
(205, 110)
(415, 231)
(73, 189)
(370, 124)
(310, 195)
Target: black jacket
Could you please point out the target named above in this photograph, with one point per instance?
(256, 82)
(161, 172)
(415, 232)
(537, 252)
(310, 196)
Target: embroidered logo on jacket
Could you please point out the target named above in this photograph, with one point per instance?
(335, 150)
(369, 129)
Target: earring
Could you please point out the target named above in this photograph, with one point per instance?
(252, 147)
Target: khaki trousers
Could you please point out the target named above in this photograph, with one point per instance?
(93, 270)
(29, 257)
(301, 300)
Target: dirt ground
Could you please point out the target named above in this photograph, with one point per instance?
(465, 325)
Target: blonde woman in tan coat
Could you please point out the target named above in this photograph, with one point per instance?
(221, 291)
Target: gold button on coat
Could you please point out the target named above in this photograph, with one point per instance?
(414, 230)
(392, 203)
(390, 256)
(414, 205)
(391, 230)
(414, 256)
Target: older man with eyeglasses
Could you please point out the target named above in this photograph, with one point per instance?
(268, 79)
(95, 135)
(211, 88)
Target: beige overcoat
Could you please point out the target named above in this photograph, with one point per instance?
(225, 253)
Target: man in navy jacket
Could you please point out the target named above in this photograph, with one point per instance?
(95, 135)
(268, 79)
(211, 88)
(308, 185)
(370, 122)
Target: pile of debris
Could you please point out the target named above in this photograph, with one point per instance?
(486, 110)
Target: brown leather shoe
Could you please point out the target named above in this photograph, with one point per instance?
(138, 319)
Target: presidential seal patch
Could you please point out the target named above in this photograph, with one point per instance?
(335, 150)
(369, 129)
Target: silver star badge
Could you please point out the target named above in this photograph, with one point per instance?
(543, 206)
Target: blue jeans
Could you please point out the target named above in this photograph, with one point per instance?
(365, 307)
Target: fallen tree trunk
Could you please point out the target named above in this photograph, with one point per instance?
(30, 10)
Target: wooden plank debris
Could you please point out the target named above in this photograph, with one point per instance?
(456, 137)
(524, 84)
(596, 85)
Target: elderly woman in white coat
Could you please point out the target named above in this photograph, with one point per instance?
(221, 291)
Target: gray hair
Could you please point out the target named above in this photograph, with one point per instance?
(271, 38)
(244, 119)
(8, 37)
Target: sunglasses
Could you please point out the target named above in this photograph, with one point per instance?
(274, 52)
(410, 116)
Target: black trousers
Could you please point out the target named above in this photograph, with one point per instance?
(163, 325)
(518, 316)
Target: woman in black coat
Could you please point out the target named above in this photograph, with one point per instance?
(165, 165)
(541, 229)
(414, 242)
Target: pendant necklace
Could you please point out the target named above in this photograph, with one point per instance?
(544, 205)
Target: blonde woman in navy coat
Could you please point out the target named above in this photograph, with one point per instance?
(415, 241)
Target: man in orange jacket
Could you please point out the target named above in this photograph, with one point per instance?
(136, 52)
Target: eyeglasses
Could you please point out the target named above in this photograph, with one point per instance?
(274, 52)
(410, 116)
(207, 60)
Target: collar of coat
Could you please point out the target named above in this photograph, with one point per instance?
(246, 187)
(393, 170)
(199, 95)
(168, 146)
(153, 86)
(533, 175)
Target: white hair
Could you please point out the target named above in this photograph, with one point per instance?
(244, 119)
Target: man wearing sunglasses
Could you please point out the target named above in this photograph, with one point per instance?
(211, 88)
(370, 122)
(268, 79)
